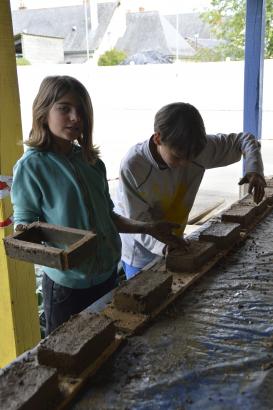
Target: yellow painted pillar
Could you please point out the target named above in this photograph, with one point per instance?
(19, 323)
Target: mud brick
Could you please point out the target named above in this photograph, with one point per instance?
(241, 214)
(223, 234)
(269, 195)
(144, 292)
(25, 385)
(77, 343)
(248, 201)
(269, 182)
(192, 259)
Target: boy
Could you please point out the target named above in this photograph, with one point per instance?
(160, 177)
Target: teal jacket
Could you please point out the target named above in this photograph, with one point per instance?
(68, 191)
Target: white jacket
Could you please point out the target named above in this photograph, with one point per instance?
(146, 192)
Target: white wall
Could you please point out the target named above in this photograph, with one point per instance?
(39, 49)
(125, 99)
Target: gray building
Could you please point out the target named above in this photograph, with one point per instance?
(39, 49)
(68, 23)
(148, 30)
(145, 32)
(191, 27)
(190, 24)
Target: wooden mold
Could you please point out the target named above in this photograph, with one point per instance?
(50, 245)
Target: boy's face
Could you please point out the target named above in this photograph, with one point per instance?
(65, 118)
(171, 157)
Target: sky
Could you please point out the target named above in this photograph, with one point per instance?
(170, 6)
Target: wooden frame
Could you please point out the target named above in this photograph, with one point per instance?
(31, 245)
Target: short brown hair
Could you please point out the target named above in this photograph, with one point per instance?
(181, 127)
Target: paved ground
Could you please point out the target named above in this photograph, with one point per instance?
(125, 99)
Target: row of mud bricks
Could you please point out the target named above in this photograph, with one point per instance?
(32, 381)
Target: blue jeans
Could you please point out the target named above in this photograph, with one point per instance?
(61, 302)
(130, 271)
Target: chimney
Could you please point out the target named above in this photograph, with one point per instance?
(22, 5)
(93, 14)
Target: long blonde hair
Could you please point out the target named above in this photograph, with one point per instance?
(51, 90)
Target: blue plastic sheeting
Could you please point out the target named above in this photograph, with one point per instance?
(212, 349)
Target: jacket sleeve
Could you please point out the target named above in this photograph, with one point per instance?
(25, 194)
(133, 204)
(226, 149)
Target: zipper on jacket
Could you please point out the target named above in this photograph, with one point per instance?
(85, 195)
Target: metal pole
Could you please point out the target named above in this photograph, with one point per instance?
(254, 61)
(86, 28)
(93, 8)
(176, 36)
(254, 64)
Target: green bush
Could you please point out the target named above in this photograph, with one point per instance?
(112, 57)
(207, 54)
(22, 61)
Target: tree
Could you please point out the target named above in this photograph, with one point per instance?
(22, 61)
(227, 21)
(207, 54)
(112, 57)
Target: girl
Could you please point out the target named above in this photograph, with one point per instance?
(61, 180)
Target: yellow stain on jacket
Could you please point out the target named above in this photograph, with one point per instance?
(169, 207)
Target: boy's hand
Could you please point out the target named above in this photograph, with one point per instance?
(184, 245)
(256, 185)
(163, 231)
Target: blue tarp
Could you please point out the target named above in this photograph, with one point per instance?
(212, 349)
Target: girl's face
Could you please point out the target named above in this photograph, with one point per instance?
(65, 118)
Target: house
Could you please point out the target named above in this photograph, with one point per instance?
(68, 23)
(191, 27)
(89, 33)
(149, 30)
(39, 49)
